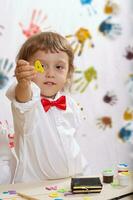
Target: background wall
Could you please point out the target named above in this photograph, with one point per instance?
(100, 33)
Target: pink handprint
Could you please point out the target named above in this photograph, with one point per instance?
(37, 19)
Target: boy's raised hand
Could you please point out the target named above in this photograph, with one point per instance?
(24, 71)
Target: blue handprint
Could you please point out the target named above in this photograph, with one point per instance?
(5, 68)
(126, 132)
(88, 3)
(109, 29)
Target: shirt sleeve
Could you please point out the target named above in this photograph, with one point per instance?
(23, 107)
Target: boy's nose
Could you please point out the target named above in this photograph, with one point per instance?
(49, 72)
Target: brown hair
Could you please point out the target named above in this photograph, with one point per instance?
(48, 41)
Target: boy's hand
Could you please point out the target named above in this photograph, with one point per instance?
(24, 71)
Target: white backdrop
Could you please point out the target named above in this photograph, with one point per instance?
(106, 62)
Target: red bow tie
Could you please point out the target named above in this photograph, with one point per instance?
(59, 103)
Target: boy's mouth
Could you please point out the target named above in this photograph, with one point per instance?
(49, 83)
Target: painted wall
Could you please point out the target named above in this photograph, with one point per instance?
(101, 36)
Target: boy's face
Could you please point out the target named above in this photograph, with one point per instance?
(56, 66)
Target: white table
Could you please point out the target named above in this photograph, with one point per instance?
(38, 190)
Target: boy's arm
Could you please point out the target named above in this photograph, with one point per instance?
(23, 106)
(23, 92)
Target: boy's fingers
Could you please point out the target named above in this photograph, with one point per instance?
(25, 74)
(28, 78)
(22, 62)
(24, 68)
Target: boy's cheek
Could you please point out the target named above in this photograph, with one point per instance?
(37, 77)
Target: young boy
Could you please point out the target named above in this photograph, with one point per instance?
(45, 117)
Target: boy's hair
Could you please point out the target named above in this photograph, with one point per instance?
(48, 41)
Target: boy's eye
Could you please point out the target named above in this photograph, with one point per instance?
(44, 66)
(59, 67)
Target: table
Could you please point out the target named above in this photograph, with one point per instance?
(39, 191)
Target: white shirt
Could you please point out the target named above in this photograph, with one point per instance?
(44, 141)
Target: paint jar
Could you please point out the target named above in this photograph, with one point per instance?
(122, 167)
(123, 178)
(108, 175)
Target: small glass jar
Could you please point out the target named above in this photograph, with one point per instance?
(122, 167)
(123, 178)
(108, 175)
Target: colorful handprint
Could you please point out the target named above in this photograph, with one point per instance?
(86, 77)
(129, 53)
(111, 8)
(110, 98)
(79, 39)
(35, 26)
(5, 69)
(126, 132)
(104, 122)
(89, 5)
(109, 29)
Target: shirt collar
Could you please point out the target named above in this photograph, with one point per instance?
(58, 95)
